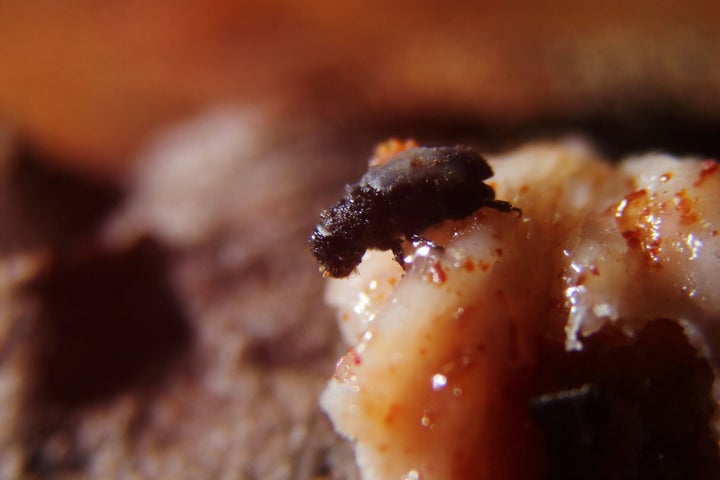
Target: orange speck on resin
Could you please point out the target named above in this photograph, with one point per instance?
(436, 274)
(685, 206)
(344, 368)
(632, 204)
(636, 218)
(391, 414)
(709, 167)
(386, 150)
(352, 356)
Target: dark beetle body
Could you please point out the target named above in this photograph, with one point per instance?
(415, 189)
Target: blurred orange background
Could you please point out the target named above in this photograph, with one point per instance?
(94, 80)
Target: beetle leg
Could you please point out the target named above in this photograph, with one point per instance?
(398, 253)
(503, 206)
(418, 239)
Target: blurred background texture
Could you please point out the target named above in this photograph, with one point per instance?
(162, 164)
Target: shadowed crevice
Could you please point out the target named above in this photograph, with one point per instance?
(629, 408)
(108, 322)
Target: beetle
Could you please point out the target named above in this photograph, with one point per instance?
(397, 200)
